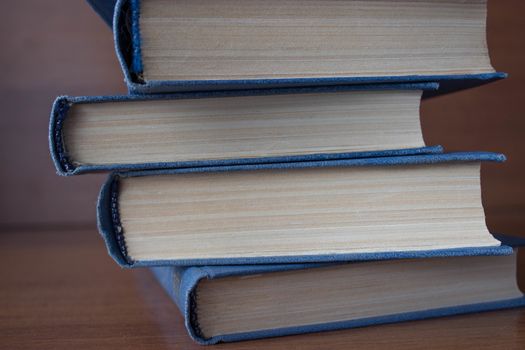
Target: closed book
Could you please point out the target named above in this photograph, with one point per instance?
(320, 211)
(233, 303)
(104, 8)
(236, 127)
(166, 46)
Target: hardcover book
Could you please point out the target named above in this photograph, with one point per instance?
(232, 303)
(167, 46)
(104, 8)
(336, 210)
(226, 128)
(270, 166)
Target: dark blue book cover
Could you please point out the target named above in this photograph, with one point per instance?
(112, 224)
(104, 8)
(130, 50)
(405, 290)
(294, 113)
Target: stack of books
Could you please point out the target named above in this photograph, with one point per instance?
(269, 165)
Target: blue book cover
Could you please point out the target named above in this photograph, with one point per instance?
(268, 300)
(112, 225)
(66, 165)
(128, 45)
(104, 8)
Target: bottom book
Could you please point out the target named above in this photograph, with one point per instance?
(233, 303)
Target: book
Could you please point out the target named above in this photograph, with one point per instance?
(236, 127)
(233, 303)
(321, 211)
(166, 46)
(104, 8)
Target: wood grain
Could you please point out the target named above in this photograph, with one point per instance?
(60, 290)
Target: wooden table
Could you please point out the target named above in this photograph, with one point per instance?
(60, 290)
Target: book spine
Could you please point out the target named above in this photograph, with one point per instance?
(57, 151)
(108, 222)
(124, 42)
(169, 281)
(181, 286)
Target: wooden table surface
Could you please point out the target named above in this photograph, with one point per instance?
(60, 290)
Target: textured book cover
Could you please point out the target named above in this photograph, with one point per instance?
(112, 232)
(104, 8)
(63, 104)
(128, 45)
(181, 284)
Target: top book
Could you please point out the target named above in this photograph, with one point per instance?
(168, 46)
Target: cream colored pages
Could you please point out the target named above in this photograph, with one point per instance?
(242, 127)
(303, 212)
(253, 39)
(348, 292)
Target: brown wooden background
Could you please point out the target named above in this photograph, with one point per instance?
(58, 47)
(58, 287)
